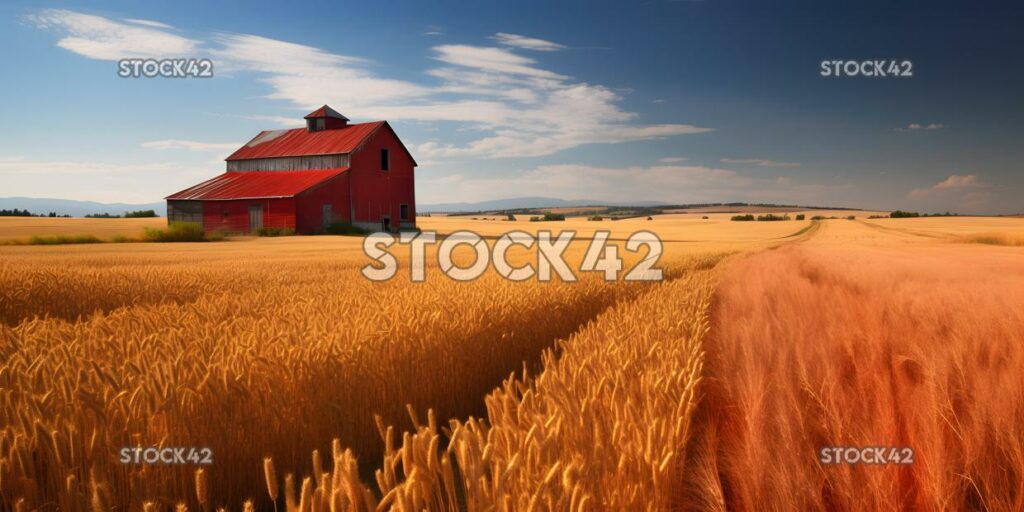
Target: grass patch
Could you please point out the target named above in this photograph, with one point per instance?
(344, 228)
(275, 232)
(56, 240)
(1004, 239)
(180, 232)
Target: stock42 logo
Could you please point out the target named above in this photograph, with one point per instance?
(601, 256)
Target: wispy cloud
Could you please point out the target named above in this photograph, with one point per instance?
(966, 192)
(672, 159)
(190, 145)
(510, 104)
(101, 38)
(526, 43)
(149, 23)
(912, 127)
(760, 162)
(953, 182)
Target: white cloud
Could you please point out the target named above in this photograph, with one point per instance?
(509, 104)
(149, 23)
(191, 145)
(953, 182)
(527, 43)
(918, 126)
(760, 162)
(101, 38)
(963, 192)
(489, 59)
(956, 181)
(672, 159)
(307, 76)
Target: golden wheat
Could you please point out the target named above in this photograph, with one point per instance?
(295, 351)
(538, 396)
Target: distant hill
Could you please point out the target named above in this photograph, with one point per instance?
(43, 206)
(516, 203)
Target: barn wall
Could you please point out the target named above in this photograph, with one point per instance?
(378, 193)
(289, 163)
(233, 216)
(184, 211)
(309, 204)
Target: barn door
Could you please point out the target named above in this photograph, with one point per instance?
(328, 217)
(386, 223)
(255, 218)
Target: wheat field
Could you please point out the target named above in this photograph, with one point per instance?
(316, 389)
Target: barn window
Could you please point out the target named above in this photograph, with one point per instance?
(315, 124)
(403, 211)
(385, 159)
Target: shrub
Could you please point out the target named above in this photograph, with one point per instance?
(344, 228)
(742, 218)
(140, 214)
(770, 217)
(121, 239)
(63, 239)
(176, 232)
(595, 217)
(275, 232)
(818, 217)
(800, 216)
(650, 218)
(705, 217)
(851, 217)
(900, 214)
(548, 217)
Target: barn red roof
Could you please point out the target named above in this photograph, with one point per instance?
(257, 184)
(302, 142)
(325, 111)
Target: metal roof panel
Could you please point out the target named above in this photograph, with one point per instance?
(256, 185)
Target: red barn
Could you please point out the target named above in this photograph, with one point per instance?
(307, 178)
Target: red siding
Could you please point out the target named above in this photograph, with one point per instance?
(233, 216)
(376, 192)
(309, 204)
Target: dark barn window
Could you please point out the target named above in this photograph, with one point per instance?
(385, 160)
(315, 125)
(403, 211)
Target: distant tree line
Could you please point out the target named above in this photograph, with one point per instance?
(900, 214)
(25, 213)
(15, 212)
(135, 214)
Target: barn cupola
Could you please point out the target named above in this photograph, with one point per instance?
(325, 118)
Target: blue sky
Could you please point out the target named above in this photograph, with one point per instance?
(683, 101)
